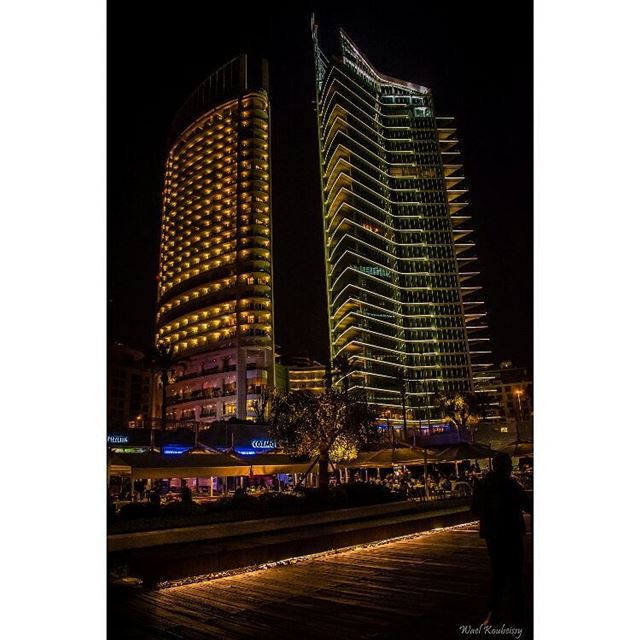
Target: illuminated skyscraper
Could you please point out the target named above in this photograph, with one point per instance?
(399, 260)
(215, 285)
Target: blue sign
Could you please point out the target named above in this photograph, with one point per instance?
(175, 450)
(114, 438)
(246, 452)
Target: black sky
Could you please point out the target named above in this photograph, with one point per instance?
(476, 57)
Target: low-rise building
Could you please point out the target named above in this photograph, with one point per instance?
(130, 387)
(513, 403)
(306, 375)
(514, 392)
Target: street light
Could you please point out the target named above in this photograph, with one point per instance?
(518, 394)
(426, 440)
(389, 428)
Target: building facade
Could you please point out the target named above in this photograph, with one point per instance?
(514, 393)
(512, 405)
(403, 306)
(215, 301)
(306, 375)
(130, 388)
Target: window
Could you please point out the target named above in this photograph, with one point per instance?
(421, 112)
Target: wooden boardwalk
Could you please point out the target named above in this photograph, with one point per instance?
(420, 587)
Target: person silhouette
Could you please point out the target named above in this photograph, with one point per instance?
(185, 492)
(498, 501)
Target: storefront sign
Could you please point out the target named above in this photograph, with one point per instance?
(438, 428)
(263, 444)
(114, 438)
(174, 450)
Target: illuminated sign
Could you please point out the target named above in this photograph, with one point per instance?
(174, 450)
(263, 444)
(117, 439)
(439, 428)
(246, 452)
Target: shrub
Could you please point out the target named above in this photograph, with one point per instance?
(135, 510)
(364, 494)
(279, 503)
(183, 509)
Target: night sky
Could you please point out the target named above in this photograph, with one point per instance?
(476, 57)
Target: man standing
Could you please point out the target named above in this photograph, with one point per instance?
(185, 492)
(498, 500)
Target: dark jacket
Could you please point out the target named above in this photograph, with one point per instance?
(499, 502)
(185, 494)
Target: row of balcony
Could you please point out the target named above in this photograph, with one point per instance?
(254, 390)
(200, 394)
(212, 370)
(205, 372)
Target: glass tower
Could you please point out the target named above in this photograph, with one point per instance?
(403, 309)
(215, 287)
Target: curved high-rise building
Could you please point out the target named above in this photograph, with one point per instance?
(403, 307)
(215, 283)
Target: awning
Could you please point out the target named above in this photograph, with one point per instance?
(156, 466)
(269, 463)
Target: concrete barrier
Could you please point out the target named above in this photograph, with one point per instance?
(295, 537)
(143, 539)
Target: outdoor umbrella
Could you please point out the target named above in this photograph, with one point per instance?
(518, 449)
(358, 462)
(390, 457)
(464, 451)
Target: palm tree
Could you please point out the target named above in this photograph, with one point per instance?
(326, 426)
(162, 360)
(260, 406)
(343, 366)
(460, 408)
(403, 397)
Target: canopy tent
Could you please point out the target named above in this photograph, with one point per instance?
(116, 465)
(464, 451)
(155, 466)
(518, 449)
(269, 463)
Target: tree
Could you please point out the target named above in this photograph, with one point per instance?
(343, 368)
(329, 426)
(460, 409)
(260, 405)
(161, 360)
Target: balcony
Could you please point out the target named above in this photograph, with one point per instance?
(205, 372)
(198, 394)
